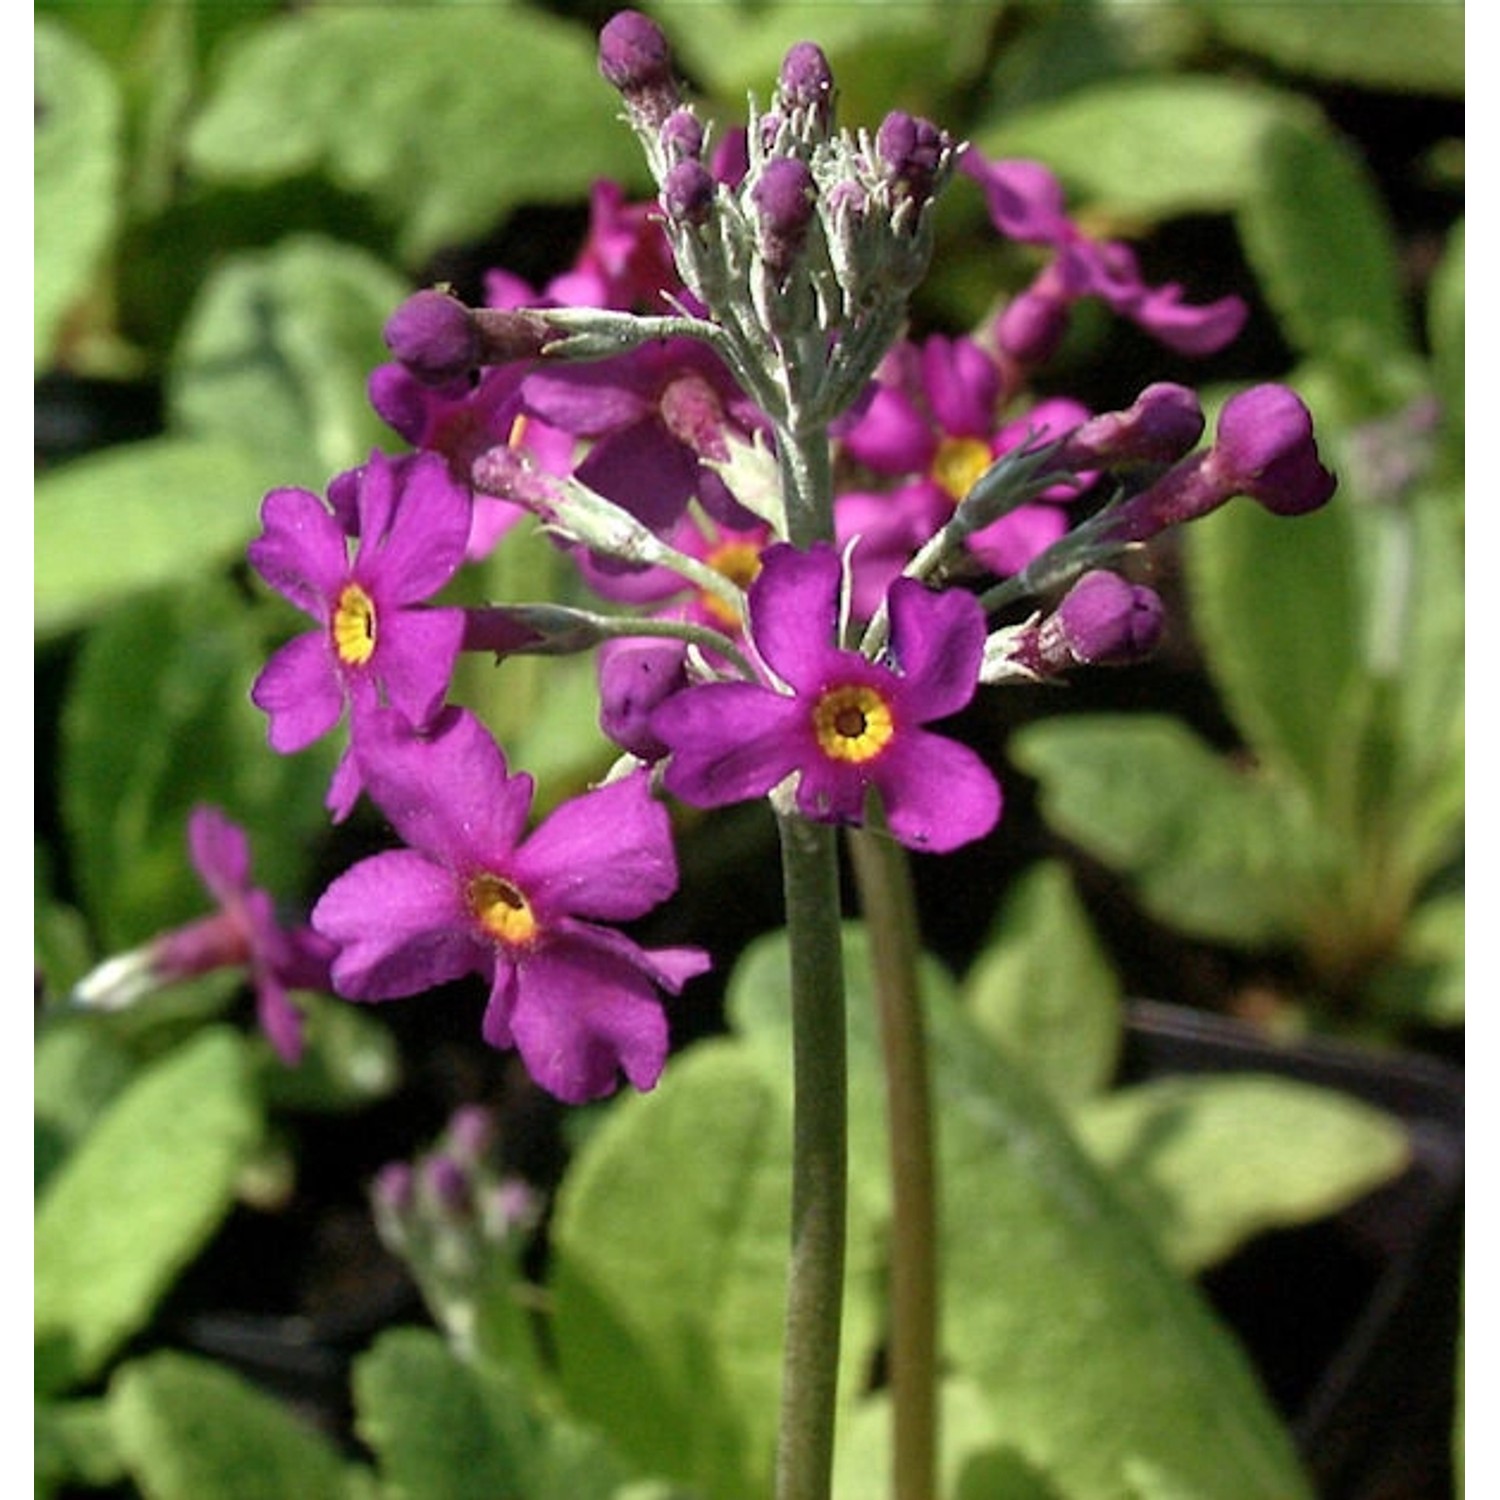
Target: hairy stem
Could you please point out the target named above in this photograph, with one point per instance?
(888, 903)
(815, 1280)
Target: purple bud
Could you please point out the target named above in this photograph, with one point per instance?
(783, 195)
(507, 474)
(471, 1132)
(447, 1184)
(433, 335)
(634, 57)
(1032, 326)
(1102, 620)
(634, 677)
(1163, 423)
(911, 150)
(687, 192)
(506, 334)
(682, 135)
(394, 1188)
(1265, 448)
(806, 81)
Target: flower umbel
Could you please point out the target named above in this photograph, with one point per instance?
(843, 725)
(473, 894)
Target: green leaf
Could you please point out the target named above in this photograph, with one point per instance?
(182, 666)
(277, 357)
(1445, 332)
(1276, 606)
(1211, 851)
(349, 1060)
(670, 1248)
(73, 1443)
(76, 208)
(1123, 146)
(442, 1429)
(136, 517)
(447, 117)
(1211, 1162)
(1043, 989)
(77, 1069)
(1416, 46)
(137, 1199)
(193, 1430)
(1322, 245)
(1424, 984)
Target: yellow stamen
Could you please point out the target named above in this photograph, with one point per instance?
(502, 910)
(958, 463)
(739, 562)
(354, 626)
(852, 723)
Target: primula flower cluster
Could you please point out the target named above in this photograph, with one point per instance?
(812, 536)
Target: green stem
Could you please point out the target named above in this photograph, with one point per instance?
(815, 1279)
(888, 903)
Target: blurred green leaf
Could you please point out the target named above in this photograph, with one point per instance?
(669, 1242)
(1211, 1162)
(448, 116)
(1445, 333)
(158, 718)
(1151, 148)
(1276, 606)
(1324, 252)
(133, 518)
(73, 1445)
(349, 1060)
(193, 1430)
(443, 1429)
(136, 1200)
(277, 356)
(1212, 851)
(1042, 988)
(77, 1069)
(1416, 46)
(78, 163)
(1424, 985)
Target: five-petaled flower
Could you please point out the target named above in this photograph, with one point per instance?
(843, 724)
(474, 894)
(378, 641)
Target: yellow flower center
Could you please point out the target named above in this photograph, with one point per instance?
(739, 562)
(354, 626)
(958, 463)
(502, 910)
(852, 723)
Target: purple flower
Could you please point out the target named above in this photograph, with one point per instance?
(242, 933)
(844, 725)
(473, 894)
(377, 640)
(933, 422)
(1026, 203)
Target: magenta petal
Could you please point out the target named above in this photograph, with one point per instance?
(300, 689)
(301, 552)
(938, 794)
(400, 925)
(278, 1017)
(426, 539)
(794, 607)
(495, 1028)
(937, 640)
(1007, 545)
(415, 658)
(643, 469)
(446, 792)
(220, 852)
(730, 741)
(606, 854)
(586, 400)
(892, 437)
(963, 385)
(581, 1017)
(345, 785)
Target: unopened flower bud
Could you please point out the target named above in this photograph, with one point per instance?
(394, 1190)
(634, 57)
(783, 195)
(687, 192)
(433, 335)
(1265, 448)
(634, 677)
(1163, 423)
(806, 82)
(471, 1132)
(912, 150)
(1101, 620)
(681, 136)
(447, 1185)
